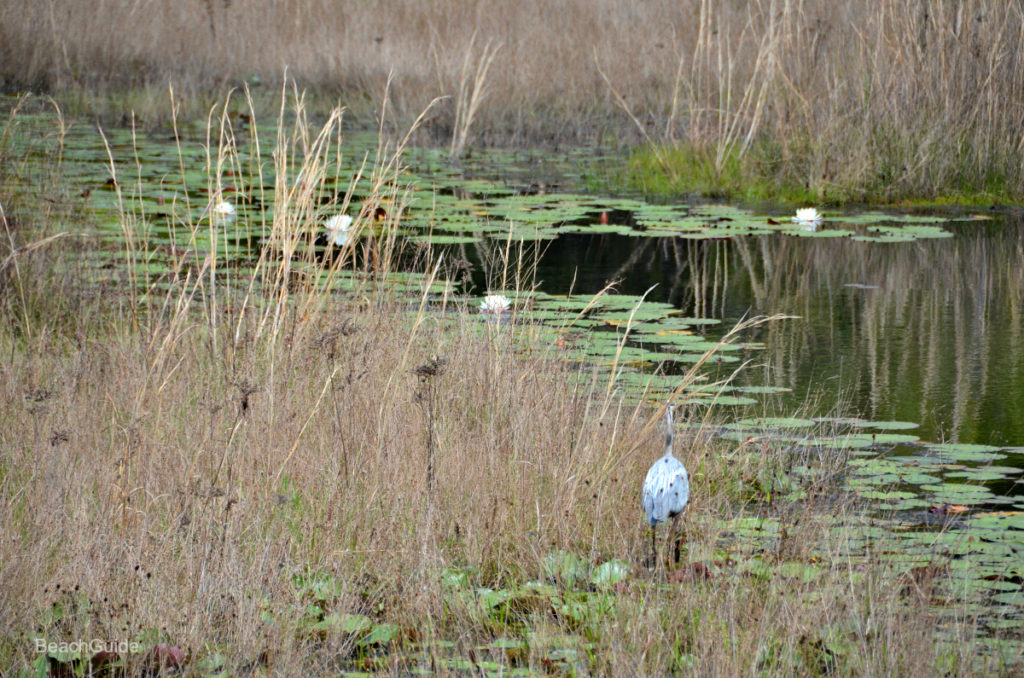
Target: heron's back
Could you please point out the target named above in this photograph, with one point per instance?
(666, 490)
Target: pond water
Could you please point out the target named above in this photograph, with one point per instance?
(905, 345)
(929, 331)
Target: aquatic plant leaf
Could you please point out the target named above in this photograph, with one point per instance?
(977, 475)
(610, 573)
(537, 588)
(775, 422)
(454, 578)
(762, 390)
(340, 622)
(437, 239)
(999, 521)
(887, 495)
(907, 505)
(381, 634)
(508, 644)
(883, 425)
(803, 571)
(1015, 598)
(566, 567)
(213, 663)
(842, 442)
(892, 438)
(493, 598)
(820, 233)
(722, 400)
(967, 452)
(956, 493)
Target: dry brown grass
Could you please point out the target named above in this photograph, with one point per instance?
(187, 496)
(880, 99)
(179, 459)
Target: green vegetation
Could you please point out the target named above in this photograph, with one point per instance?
(245, 451)
(231, 447)
(669, 171)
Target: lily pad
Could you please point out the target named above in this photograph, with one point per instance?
(965, 452)
(381, 634)
(883, 425)
(776, 423)
(568, 568)
(609, 573)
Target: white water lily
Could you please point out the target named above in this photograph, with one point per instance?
(224, 208)
(808, 216)
(339, 229)
(495, 304)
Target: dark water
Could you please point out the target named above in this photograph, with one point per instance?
(930, 331)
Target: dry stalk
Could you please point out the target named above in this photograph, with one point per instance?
(471, 91)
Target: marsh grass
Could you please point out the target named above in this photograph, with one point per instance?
(179, 463)
(871, 101)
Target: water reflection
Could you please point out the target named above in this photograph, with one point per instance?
(927, 331)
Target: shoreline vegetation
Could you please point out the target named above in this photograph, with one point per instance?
(246, 471)
(913, 101)
(290, 465)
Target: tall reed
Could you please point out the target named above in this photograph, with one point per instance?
(880, 100)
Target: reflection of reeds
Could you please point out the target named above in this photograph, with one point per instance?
(935, 342)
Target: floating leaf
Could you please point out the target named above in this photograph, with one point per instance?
(964, 452)
(802, 571)
(381, 634)
(776, 422)
(882, 425)
(340, 622)
(566, 567)
(609, 573)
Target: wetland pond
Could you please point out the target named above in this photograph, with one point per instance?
(906, 345)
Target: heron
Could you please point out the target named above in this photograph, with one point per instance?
(666, 487)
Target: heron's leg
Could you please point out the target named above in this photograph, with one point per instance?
(654, 549)
(678, 541)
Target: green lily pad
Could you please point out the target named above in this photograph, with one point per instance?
(965, 452)
(508, 644)
(762, 390)
(999, 521)
(883, 425)
(891, 438)
(956, 493)
(775, 423)
(568, 568)
(340, 622)
(609, 573)
(539, 589)
(381, 634)
(436, 239)
(802, 571)
(977, 475)
(887, 495)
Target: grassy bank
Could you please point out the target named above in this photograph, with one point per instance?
(803, 101)
(289, 467)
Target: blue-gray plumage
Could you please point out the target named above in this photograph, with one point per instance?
(667, 486)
